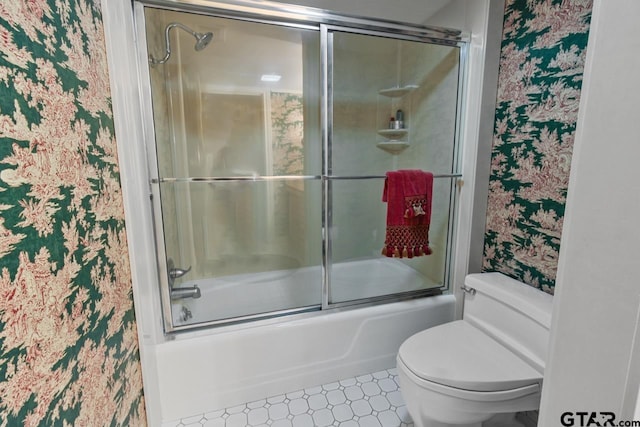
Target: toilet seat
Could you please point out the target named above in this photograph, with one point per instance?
(469, 395)
(457, 359)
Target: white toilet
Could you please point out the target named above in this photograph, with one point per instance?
(481, 370)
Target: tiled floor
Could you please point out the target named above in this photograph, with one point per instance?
(367, 401)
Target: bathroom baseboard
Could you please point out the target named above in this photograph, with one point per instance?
(528, 418)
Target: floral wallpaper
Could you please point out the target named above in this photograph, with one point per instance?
(287, 127)
(541, 65)
(68, 341)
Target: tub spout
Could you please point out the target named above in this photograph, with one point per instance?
(185, 292)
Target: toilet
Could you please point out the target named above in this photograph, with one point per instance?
(481, 370)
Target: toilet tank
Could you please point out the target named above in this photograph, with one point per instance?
(515, 314)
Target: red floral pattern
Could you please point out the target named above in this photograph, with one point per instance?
(68, 341)
(541, 63)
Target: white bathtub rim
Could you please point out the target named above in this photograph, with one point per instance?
(310, 315)
(265, 292)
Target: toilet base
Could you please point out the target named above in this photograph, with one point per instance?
(499, 420)
(432, 423)
(503, 420)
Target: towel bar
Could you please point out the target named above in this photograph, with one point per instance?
(281, 177)
(445, 175)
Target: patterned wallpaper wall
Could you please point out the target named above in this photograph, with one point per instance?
(541, 65)
(68, 342)
(287, 127)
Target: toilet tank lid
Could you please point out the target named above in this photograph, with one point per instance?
(522, 297)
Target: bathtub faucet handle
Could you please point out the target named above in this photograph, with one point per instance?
(177, 272)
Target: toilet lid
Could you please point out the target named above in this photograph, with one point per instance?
(459, 355)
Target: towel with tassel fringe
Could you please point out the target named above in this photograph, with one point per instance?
(408, 197)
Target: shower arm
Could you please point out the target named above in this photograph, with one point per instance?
(167, 42)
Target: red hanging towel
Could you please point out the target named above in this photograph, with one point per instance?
(408, 196)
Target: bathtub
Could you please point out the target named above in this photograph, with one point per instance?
(240, 294)
(206, 370)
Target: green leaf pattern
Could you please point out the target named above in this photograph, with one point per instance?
(68, 340)
(287, 128)
(541, 66)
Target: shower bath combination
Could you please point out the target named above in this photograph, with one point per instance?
(244, 198)
(270, 192)
(202, 40)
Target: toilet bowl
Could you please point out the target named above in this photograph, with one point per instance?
(481, 370)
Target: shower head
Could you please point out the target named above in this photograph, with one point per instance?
(202, 40)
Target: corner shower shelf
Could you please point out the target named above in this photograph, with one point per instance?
(397, 92)
(396, 138)
(393, 134)
(393, 147)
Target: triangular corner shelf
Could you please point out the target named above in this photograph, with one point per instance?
(397, 92)
(393, 147)
(393, 134)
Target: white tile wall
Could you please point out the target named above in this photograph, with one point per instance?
(371, 400)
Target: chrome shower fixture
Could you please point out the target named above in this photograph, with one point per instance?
(202, 40)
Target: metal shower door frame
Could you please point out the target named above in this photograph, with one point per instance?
(305, 18)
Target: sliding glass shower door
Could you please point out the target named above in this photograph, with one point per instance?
(271, 139)
(238, 153)
(399, 114)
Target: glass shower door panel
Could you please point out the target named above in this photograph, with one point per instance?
(250, 247)
(238, 153)
(247, 104)
(358, 270)
(400, 114)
